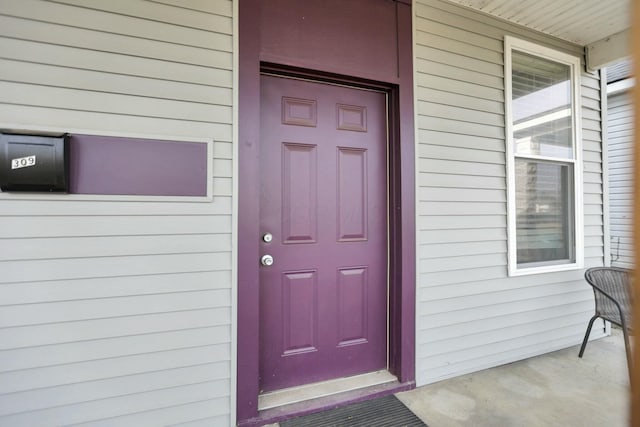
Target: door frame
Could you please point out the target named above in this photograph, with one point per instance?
(401, 181)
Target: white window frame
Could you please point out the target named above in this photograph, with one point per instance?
(511, 44)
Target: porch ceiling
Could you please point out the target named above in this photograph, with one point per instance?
(601, 26)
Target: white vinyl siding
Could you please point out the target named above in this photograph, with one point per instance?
(620, 150)
(470, 314)
(118, 311)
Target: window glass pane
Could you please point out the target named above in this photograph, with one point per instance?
(541, 91)
(544, 212)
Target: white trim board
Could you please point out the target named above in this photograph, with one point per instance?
(621, 86)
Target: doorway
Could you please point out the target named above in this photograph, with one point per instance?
(373, 50)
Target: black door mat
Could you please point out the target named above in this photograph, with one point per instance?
(386, 411)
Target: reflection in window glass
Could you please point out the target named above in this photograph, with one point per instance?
(541, 104)
(544, 212)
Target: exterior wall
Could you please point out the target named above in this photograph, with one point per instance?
(470, 315)
(118, 310)
(620, 150)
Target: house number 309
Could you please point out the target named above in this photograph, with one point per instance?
(23, 162)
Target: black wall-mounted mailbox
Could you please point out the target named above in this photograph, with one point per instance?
(34, 162)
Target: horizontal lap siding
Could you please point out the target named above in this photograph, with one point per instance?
(592, 171)
(118, 312)
(620, 151)
(470, 315)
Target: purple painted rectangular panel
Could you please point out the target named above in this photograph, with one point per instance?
(300, 324)
(355, 37)
(352, 297)
(300, 112)
(132, 166)
(299, 197)
(352, 198)
(352, 117)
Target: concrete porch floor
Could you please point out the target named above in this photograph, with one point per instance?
(556, 389)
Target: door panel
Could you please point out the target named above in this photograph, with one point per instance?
(299, 193)
(352, 194)
(323, 302)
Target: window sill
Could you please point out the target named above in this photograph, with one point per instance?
(513, 272)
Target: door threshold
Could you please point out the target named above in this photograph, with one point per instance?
(306, 407)
(305, 392)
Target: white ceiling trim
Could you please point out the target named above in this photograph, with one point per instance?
(578, 21)
(601, 27)
(608, 50)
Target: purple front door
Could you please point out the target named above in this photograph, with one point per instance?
(323, 300)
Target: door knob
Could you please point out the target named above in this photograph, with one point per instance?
(266, 260)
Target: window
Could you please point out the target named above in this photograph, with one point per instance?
(543, 158)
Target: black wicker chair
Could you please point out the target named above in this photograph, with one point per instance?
(613, 295)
